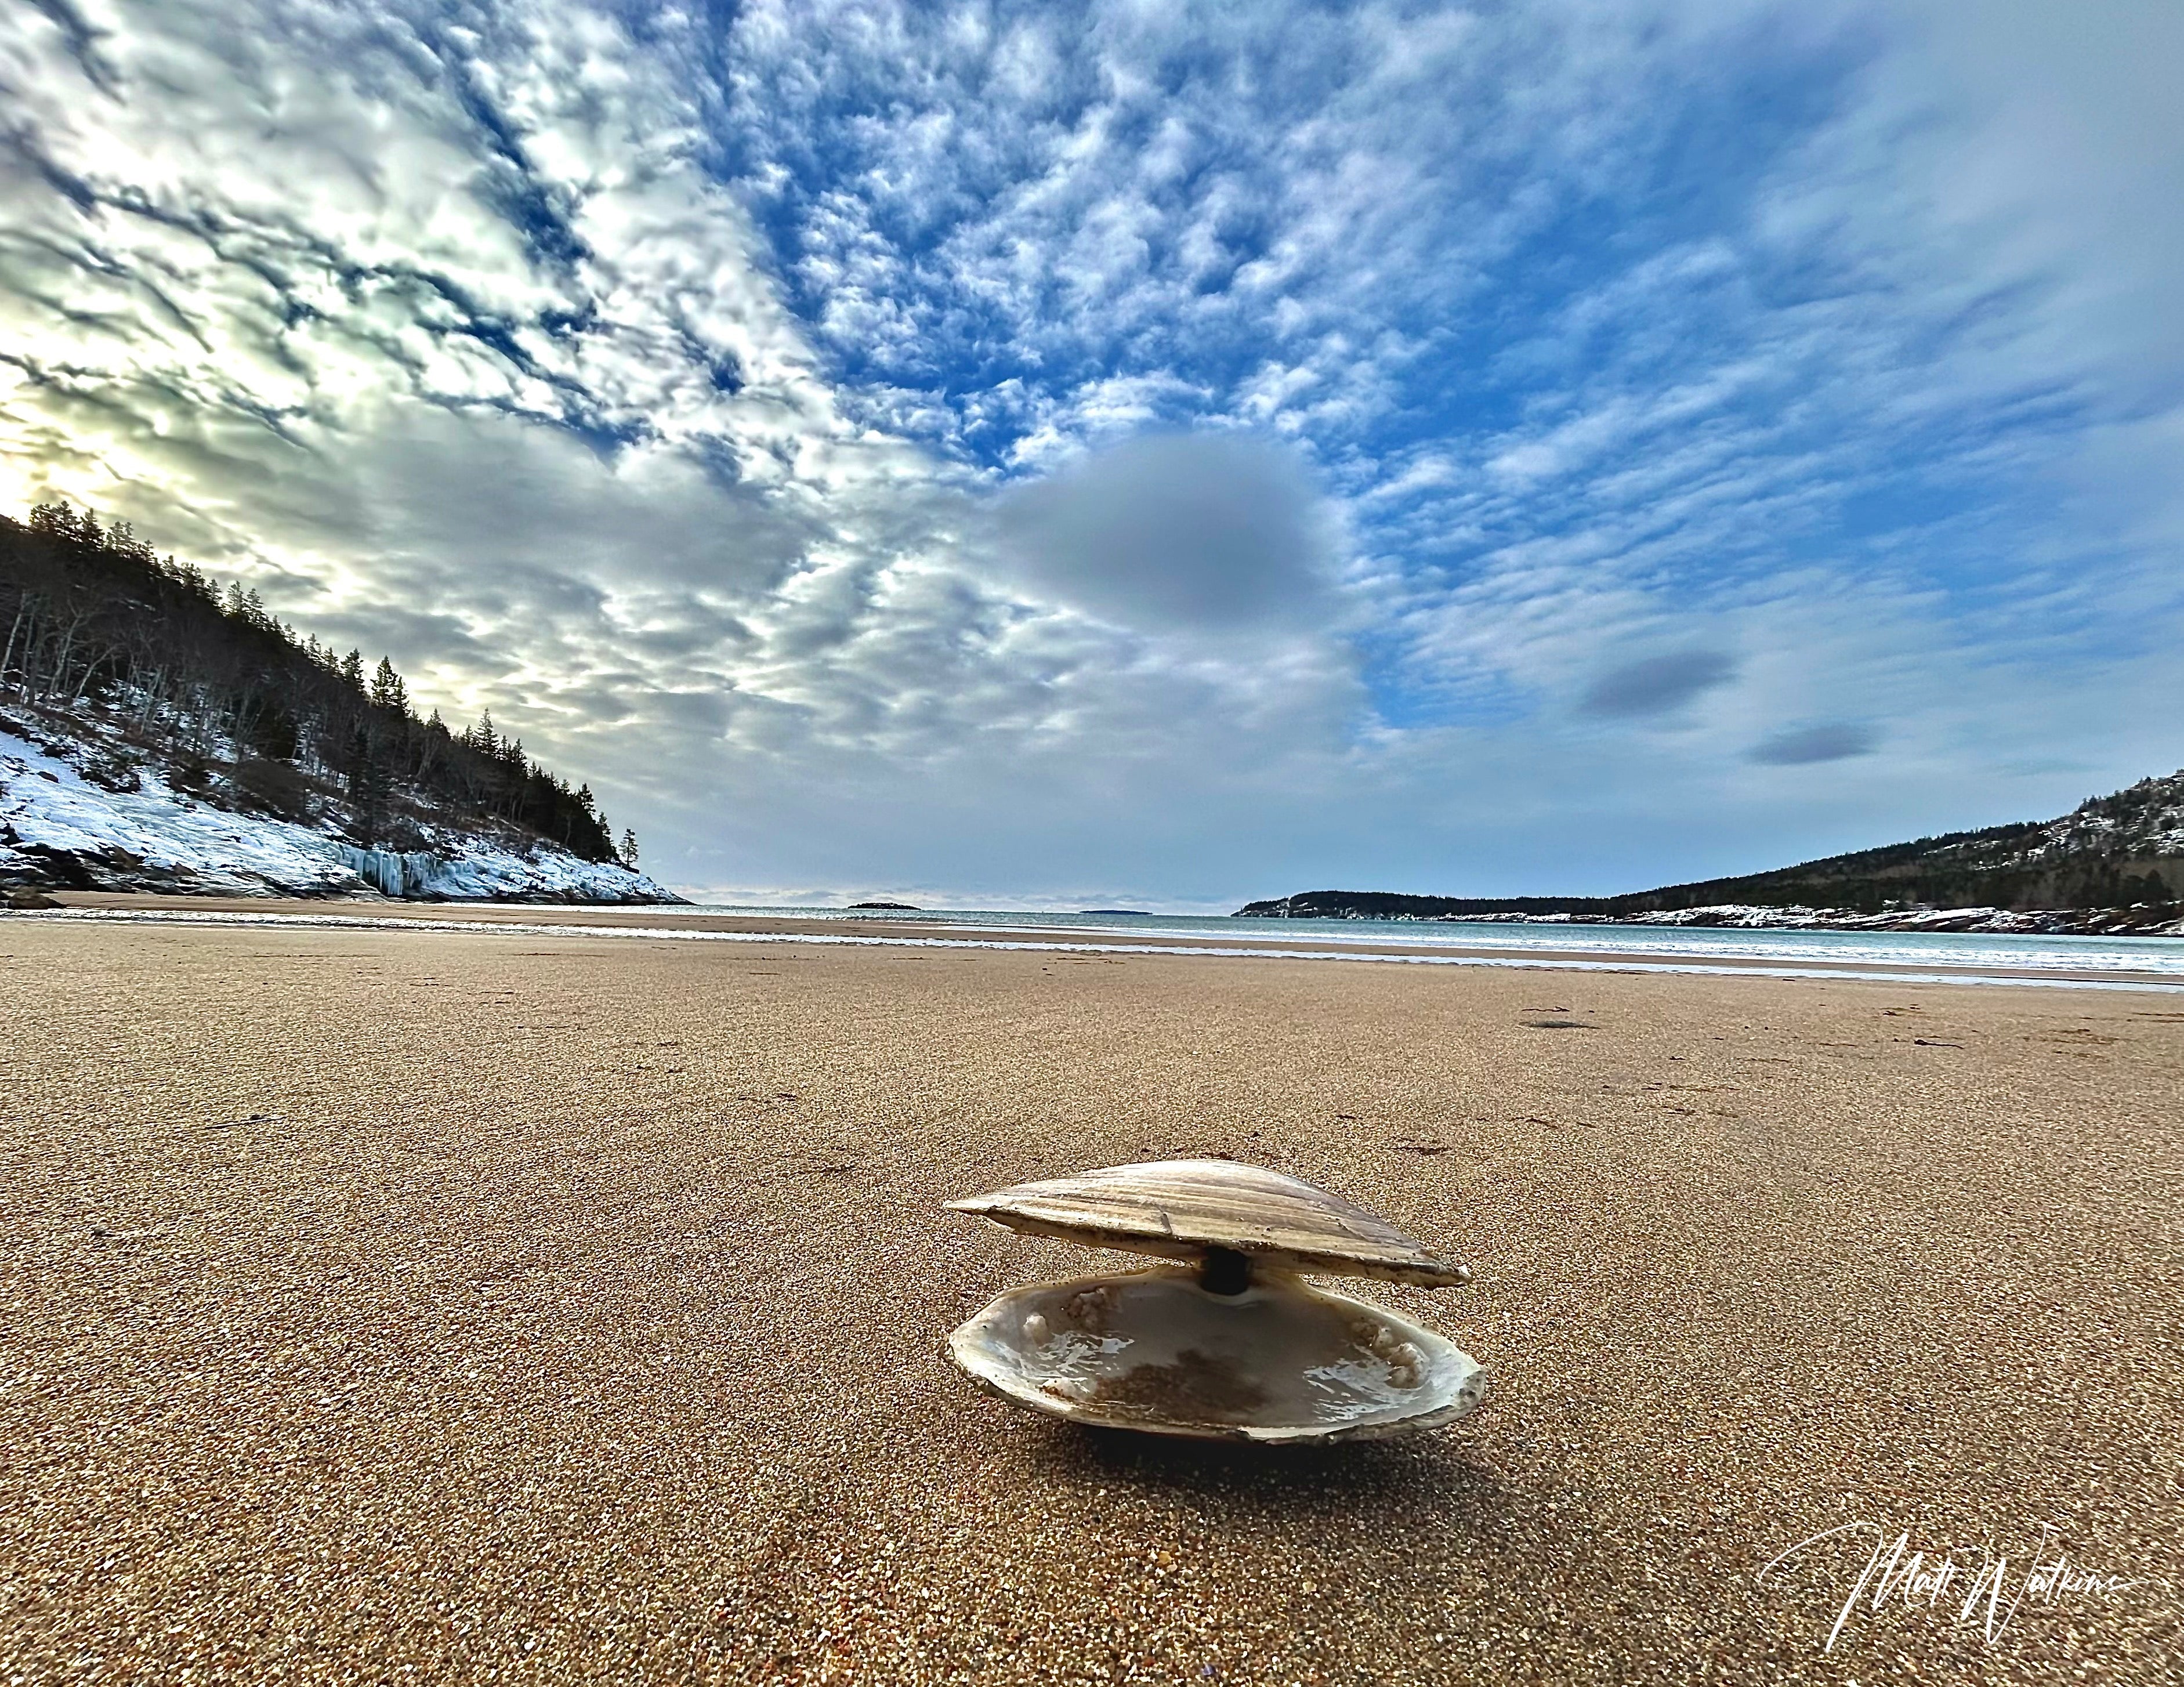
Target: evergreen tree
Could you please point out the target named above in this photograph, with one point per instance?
(387, 690)
(352, 670)
(629, 849)
(368, 787)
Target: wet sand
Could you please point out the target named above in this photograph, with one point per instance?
(485, 1305)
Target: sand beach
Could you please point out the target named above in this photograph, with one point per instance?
(425, 1305)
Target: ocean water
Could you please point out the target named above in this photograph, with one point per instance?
(2138, 964)
(1879, 952)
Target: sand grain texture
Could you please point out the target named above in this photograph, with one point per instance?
(414, 1305)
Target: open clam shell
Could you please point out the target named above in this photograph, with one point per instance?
(1235, 1349)
(1277, 1363)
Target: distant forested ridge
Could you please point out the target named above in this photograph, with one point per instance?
(2122, 853)
(242, 710)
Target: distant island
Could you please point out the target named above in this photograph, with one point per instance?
(886, 907)
(2114, 863)
(158, 734)
(1139, 913)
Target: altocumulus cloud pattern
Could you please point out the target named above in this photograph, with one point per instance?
(1046, 454)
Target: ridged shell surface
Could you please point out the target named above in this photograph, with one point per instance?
(1180, 1208)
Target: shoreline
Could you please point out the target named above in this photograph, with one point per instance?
(699, 925)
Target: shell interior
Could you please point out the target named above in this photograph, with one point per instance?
(1279, 1363)
(1179, 1208)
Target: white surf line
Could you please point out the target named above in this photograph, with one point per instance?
(676, 934)
(1756, 943)
(1648, 946)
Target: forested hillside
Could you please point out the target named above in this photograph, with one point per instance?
(2117, 853)
(152, 668)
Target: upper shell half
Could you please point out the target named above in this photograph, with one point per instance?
(1180, 1208)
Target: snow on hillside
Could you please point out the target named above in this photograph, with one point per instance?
(1758, 917)
(2145, 819)
(1993, 921)
(154, 838)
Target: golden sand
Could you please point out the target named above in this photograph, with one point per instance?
(414, 1306)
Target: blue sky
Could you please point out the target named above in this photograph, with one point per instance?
(1154, 454)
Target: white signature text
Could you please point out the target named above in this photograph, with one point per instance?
(1978, 1587)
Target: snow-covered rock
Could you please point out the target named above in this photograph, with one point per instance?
(59, 827)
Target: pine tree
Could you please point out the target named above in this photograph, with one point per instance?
(629, 849)
(352, 670)
(368, 786)
(387, 690)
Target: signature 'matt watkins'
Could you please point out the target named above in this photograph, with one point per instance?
(1229, 1344)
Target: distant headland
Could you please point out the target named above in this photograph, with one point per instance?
(2114, 863)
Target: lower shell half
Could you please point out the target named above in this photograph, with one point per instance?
(1278, 1362)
